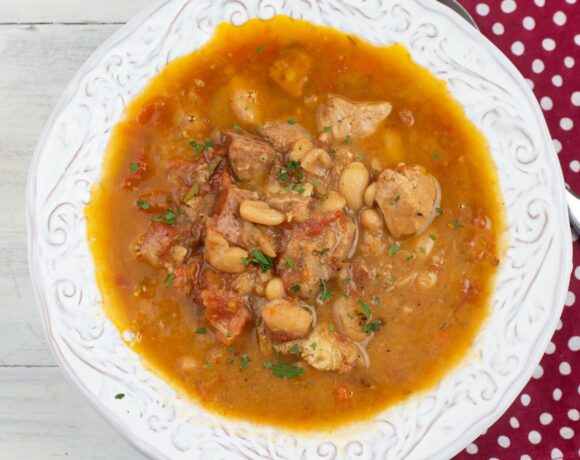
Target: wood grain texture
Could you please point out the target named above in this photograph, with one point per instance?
(42, 45)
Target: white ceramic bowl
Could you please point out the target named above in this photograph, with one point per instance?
(435, 424)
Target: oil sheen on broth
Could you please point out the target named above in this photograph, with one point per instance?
(417, 300)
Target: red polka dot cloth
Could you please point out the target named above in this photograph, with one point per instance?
(542, 38)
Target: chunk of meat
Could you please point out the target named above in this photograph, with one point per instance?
(408, 198)
(349, 318)
(295, 206)
(227, 313)
(286, 320)
(340, 117)
(250, 156)
(329, 351)
(283, 135)
(155, 245)
(317, 250)
(291, 71)
(225, 218)
(185, 276)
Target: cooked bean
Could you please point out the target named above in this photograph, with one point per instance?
(227, 260)
(426, 279)
(267, 247)
(300, 149)
(371, 220)
(369, 195)
(316, 162)
(260, 212)
(333, 202)
(353, 183)
(286, 320)
(275, 289)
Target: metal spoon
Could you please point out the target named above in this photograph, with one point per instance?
(572, 199)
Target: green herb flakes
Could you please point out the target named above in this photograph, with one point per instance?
(325, 293)
(347, 139)
(292, 122)
(201, 330)
(393, 249)
(169, 280)
(143, 204)
(295, 288)
(133, 167)
(119, 395)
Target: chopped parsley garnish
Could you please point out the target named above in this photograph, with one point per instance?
(133, 167)
(237, 127)
(295, 288)
(376, 299)
(283, 176)
(230, 361)
(213, 164)
(228, 335)
(244, 361)
(313, 345)
(361, 158)
(325, 293)
(282, 370)
(259, 258)
(201, 330)
(330, 327)
(292, 121)
(143, 204)
(200, 148)
(260, 49)
(295, 349)
(433, 237)
(207, 365)
(372, 326)
(436, 156)
(393, 249)
(366, 309)
(439, 211)
(411, 257)
(391, 280)
(347, 139)
(457, 224)
(422, 250)
(288, 262)
(169, 279)
(119, 395)
(168, 218)
(327, 129)
(292, 164)
(324, 251)
(194, 190)
(299, 188)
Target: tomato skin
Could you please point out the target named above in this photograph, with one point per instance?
(157, 113)
(343, 393)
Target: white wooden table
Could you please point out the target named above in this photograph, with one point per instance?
(42, 44)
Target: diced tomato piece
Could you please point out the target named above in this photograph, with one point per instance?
(227, 313)
(154, 246)
(186, 275)
(319, 221)
(138, 171)
(156, 112)
(343, 393)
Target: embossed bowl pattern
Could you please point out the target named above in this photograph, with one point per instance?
(434, 424)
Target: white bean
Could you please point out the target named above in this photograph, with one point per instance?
(371, 220)
(316, 162)
(260, 212)
(227, 260)
(353, 183)
(275, 289)
(369, 195)
(333, 202)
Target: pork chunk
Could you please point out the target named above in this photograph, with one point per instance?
(154, 247)
(286, 320)
(291, 71)
(295, 206)
(283, 135)
(408, 198)
(329, 351)
(227, 313)
(250, 156)
(340, 117)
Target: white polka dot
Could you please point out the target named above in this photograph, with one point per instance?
(577, 272)
(567, 432)
(471, 449)
(540, 3)
(559, 325)
(556, 454)
(577, 39)
(574, 343)
(565, 368)
(559, 18)
(530, 83)
(574, 415)
(569, 61)
(529, 23)
(514, 422)
(551, 348)
(482, 9)
(576, 98)
(546, 103)
(504, 441)
(538, 66)
(518, 48)
(571, 2)
(534, 437)
(549, 44)
(525, 457)
(557, 394)
(525, 399)
(557, 80)
(570, 297)
(498, 28)
(557, 145)
(566, 124)
(546, 419)
(538, 373)
(508, 6)
(575, 166)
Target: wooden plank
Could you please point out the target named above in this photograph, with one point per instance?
(37, 64)
(42, 416)
(68, 11)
